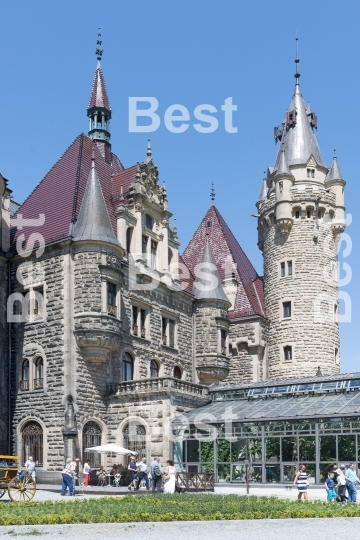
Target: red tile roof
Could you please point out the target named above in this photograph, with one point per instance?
(229, 257)
(60, 193)
(99, 97)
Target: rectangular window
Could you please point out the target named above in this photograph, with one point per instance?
(171, 333)
(223, 341)
(135, 328)
(111, 299)
(149, 222)
(336, 319)
(287, 352)
(308, 173)
(297, 214)
(37, 301)
(282, 269)
(289, 265)
(312, 173)
(153, 253)
(143, 323)
(308, 214)
(144, 246)
(164, 331)
(286, 309)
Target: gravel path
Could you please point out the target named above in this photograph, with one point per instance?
(281, 529)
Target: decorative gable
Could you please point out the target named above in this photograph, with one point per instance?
(311, 162)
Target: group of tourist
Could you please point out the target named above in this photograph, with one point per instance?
(138, 471)
(340, 485)
(156, 475)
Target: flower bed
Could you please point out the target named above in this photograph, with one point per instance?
(168, 508)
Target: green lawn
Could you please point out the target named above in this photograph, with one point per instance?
(167, 508)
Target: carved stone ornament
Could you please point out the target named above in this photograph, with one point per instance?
(96, 345)
(284, 227)
(165, 223)
(139, 207)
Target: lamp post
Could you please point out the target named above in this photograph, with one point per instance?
(247, 466)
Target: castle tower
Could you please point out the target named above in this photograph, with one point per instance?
(212, 323)
(99, 110)
(301, 214)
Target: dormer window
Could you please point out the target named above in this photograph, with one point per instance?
(281, 187)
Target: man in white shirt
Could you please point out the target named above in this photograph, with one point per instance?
(30, 466)
(143, 474)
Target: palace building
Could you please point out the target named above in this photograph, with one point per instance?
(108, 333)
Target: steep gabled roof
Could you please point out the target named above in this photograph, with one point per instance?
(59, 195)
(99, 97)
(229, 257)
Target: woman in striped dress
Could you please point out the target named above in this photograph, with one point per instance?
(301, 481)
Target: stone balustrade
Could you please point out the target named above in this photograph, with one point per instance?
(156, 386)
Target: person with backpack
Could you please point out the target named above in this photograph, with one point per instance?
(156, 474)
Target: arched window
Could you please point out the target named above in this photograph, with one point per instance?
(154, 369)
(177, 372)
(127, 367)
(134, 436)
(39, 373)
(32, 442)
(91, 437)
(25, 375)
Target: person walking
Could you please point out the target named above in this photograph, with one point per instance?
(68, 478)
(30, 466)
(143, 474)
(86, 473)
(169, 477)
(341, 481)
(330, 488)
(156, 474)
(301, 481)
(132, 467)
(351, 479)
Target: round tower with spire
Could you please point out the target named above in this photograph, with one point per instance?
(300, 217)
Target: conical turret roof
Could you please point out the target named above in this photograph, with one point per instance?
(99, 97)
(263, 192)
(283, 166)
(207, 285)
(334, 172)
(299, 140)
(93, 222)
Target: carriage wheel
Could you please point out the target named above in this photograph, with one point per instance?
(22, 488)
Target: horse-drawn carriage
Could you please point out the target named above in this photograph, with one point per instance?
(19, 484)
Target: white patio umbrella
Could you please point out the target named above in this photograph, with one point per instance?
(111, 449)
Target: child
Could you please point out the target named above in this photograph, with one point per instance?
(330, 488)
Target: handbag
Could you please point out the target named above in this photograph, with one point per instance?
(166, 477)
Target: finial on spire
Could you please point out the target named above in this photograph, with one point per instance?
(212, 193)
(121, 198)
(334, 153)
(138, 170)
(99, 51)
(297, 74)
(148, 151)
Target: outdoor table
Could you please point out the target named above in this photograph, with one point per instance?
(109, 479)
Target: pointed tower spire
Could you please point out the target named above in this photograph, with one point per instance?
(93, 222)
(212, 193)
(207, 285)
(264, 190)
(296, 132)
(99, 110)
(334, 172)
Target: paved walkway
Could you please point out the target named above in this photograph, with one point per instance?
(274, 529)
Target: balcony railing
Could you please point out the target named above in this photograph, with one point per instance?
(38, 383)
(24, 385)
(158, 385)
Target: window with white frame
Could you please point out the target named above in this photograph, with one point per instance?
(168, 331)
(153, 246)
(288, 352)
(286, 268)
(139, 321)
(286, 310)
(32, 373)
(111, 299)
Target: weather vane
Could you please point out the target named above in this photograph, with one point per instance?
(99, 51)
(297, 74)
(212, 194)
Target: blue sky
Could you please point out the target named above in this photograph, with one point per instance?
(189, 53)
